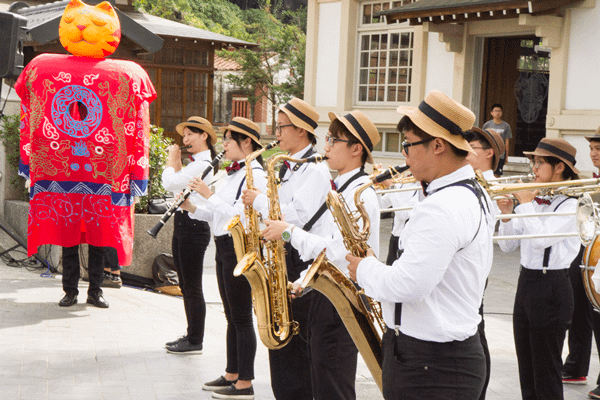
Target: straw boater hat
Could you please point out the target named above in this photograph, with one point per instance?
(596, 136)
(558, 148)
(301, 114)
(200, 123)
(362, 128)
(440, 116)
(245, 127)
(495, 141)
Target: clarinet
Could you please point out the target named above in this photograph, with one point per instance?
(184, 195)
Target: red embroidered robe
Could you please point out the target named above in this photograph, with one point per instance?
(84, 145)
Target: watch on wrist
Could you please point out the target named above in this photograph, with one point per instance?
(287, 234)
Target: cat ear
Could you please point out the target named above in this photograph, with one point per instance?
(107, 7)
(74, 4)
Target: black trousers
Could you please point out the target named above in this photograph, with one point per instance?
(415, 369)
(111, 259)
(541, 316)
(71, 272)
(290, 365)
(236, 295)
(486, 353)
(583, 323)
(190, 240)
(392, 250)
(333, 354)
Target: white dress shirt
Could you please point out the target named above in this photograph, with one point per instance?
(301, 193)
(225, 203)
(563, 249)
(310, 245)
(440, 277)
(177, 181)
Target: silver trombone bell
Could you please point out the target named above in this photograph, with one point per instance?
(587, 219)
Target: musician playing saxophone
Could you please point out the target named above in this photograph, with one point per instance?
(430, 296)
(333, 354)
(241, 138)
(303, 190)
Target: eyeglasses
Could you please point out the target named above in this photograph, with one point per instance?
(331, 140)
(278, 128)
(537, 164)
(227, 139)
(406, 145)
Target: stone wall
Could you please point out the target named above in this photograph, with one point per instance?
(145, 248)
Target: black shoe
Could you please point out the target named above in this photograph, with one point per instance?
(97, 300)
(219, 383)
(68, 300)
(231, 392)
(594, 394)
(185, 347)
(178, 340)
(111, 280)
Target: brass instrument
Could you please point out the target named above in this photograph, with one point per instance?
(267, 272)
(587, 227)
(567, 188)
(247, 240)
(361, 314)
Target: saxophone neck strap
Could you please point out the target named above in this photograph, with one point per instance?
(309, 225)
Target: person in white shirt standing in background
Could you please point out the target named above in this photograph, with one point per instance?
(489, 147)
(430, 296)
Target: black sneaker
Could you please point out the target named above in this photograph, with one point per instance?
(231, 392)
(594, 394)
(174, 342)
(185, 347)
(219, 383)
(111, 280)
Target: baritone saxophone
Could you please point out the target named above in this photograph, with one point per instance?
(361, 314)
(267, 273)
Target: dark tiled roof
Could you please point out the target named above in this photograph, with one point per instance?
(446, 11)
(47, 13)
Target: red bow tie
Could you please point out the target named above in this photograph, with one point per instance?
(539, 200)
(333, 185)
(235, 166)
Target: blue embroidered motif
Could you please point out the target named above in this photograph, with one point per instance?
(117, 199)
(65, 122)
(74, 166)
(88, 167)
(79, 149)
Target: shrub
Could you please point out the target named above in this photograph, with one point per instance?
(10, 137)
(158, 159)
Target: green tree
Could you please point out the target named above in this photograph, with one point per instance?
(281, 51)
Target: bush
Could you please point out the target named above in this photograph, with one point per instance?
(158, 159)
(10, 137)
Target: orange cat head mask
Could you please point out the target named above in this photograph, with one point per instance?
(89, 31)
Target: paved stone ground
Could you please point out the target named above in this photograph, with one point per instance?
(83, 352)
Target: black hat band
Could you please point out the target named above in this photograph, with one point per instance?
(557, 151)
(300, 115)
(440, 119)
(363, 134)
(246, 129)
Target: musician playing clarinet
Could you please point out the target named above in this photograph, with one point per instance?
(430, 296)
(544, 299)
(190, 236)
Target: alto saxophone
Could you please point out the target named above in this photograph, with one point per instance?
(267, 274)
(361, 314)
(247, 240)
